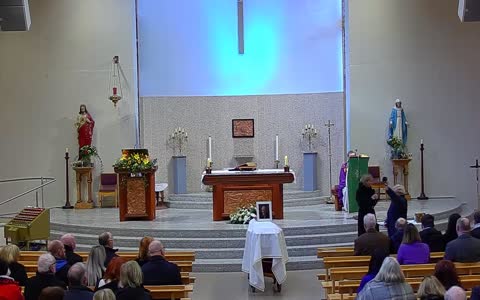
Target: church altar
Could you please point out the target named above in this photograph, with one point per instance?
(235, 189)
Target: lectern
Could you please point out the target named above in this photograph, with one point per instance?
(357, 167)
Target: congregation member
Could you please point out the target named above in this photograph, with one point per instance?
(388, 284)
(52, 293)
(159, 271)
(430, 235)
(131, 286)
(431, 289)
(412, 250)
(397, 237)
(57, 249)
(104, 294)
(11, 254)
(446, 273)
(371, 239)
(70, 244)
(366, 200)
(95, 267)
(45, 277)
(455, 293)
(398, 207)
(465, 248)
(476, 227)
(9, 288)
(451, 232)
(376, 261)
(77, 290)
(143, 257)
(106, 240)
(112, 275)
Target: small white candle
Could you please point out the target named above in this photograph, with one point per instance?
(209, 147)
(66, 150)
(421, 141)
(286, 160)
(276, 147)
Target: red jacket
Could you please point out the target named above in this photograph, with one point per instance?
(9, 289)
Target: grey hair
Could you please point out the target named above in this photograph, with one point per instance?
(155, 247)
(400, 223)
(131, 275)
(369, 221)
(455, 293)
(95, 264)
(104, 294)
(463, 225)
(45, 261)
(390, 271)
(103, 238)
(69, 240)
(76, 274)
(365, 178)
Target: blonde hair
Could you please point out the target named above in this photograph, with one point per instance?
(430, 286)
(131, 275)
(10, 253)
(104, 294)
(410, 234)
(390, 271)
(95, 264)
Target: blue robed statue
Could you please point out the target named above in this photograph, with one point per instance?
(398, 123)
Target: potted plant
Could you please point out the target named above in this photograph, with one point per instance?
(398, 149)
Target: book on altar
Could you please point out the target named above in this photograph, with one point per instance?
(249, 166)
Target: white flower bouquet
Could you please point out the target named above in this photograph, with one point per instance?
(243, 215)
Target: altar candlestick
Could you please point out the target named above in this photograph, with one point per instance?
(210, 147)
(66, 150)
(276, 147)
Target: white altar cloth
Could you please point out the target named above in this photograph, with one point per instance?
(258, 171)
(264, 240)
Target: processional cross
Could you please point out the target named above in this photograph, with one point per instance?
(329, 125)
(477, 167)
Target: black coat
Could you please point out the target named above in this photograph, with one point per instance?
(78, 293)
(434, 239)
(61, 272)
(365, 205)
(475, 232)
(398, 209)
(158, 271)
(35, 284)
(464, 249)
(18, 272)
(396, 241)
(112, 285)
(111, 253)
(72, 257)
(138, 293)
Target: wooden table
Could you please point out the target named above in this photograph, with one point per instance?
(235, 189)
(401, 165)
(82, 172)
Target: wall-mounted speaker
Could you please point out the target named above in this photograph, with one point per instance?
(14, 15)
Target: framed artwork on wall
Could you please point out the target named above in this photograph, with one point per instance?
(243, 128)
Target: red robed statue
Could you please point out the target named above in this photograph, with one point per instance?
(84, 124)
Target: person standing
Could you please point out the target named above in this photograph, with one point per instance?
(366, 199)
(342, 182)
(398, 207)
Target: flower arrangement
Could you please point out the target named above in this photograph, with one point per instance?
(398, 149)
(243, 215)
(85, 155)
(309, 133)
(178, 139)
(135, 162)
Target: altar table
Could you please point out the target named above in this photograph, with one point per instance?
(264, 240)
(235, 189)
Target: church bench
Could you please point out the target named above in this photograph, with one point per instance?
(335, 252)
(169, 291)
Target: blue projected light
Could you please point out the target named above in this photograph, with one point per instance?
(190, 47)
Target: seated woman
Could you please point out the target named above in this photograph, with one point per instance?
(388, 284)
(143, 257)
(112, 275)
(451, 232)
(11, 254)
(95, 265)
(9, 288)
(376, 261)
(131, 279)
(104, 294)
(446, 273)
(431, 289)
(412, 250)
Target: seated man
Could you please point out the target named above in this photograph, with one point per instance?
(57, 249)
(45, 277)
(476, 228)
(366, 243)
(77, 280)
(397, 237)
(158, 271)
(69, 243)
(106, 240)
(465, 248)
(431, 236)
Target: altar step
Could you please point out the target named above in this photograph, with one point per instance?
(291, 198)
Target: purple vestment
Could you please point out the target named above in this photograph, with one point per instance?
(342, 182)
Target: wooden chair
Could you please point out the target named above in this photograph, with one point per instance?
(108, 187)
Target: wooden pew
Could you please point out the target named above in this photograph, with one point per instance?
(169, 291)
(335, 252)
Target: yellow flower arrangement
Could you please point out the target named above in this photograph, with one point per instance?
(135, 163)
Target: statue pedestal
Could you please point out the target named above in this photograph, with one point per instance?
(401, 165)
(310, 171)
(179, 174)
(82, 172)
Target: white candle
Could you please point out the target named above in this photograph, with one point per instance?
(66, 150)
(276, 147)
(209, 147)
(286, 160)
(421, 141)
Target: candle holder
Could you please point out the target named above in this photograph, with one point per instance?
(67, 205)
(286, 168)
(208, 170)
(277, 163)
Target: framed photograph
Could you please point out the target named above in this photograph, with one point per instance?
(264, 211)
(243, 128)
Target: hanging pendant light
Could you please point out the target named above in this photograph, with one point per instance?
(115, 86)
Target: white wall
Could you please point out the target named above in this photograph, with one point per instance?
(419, 52)
(44, 76)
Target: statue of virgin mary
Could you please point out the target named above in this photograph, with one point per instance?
(398, 123)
